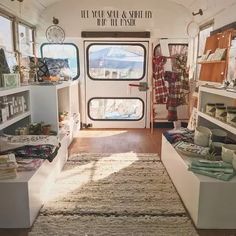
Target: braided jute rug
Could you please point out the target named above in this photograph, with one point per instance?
(122, 194)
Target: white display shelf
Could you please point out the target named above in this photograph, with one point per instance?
(11, 91)
(223, 125)
(22, 197)
(14, 120)
(221, 92)
(209, 201)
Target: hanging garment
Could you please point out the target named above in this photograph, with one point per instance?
(158, 67)
(161, 90)
(176, 96)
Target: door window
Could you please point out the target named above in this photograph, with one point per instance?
(116, 61)
(66, 53)
(116, 109)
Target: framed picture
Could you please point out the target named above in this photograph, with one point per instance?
(10, 80)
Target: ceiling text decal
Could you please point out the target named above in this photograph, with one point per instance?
(115, 17)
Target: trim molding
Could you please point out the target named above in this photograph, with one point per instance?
(115, 34)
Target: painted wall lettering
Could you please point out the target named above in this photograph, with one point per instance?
(115, 17)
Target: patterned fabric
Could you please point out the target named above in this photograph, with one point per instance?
(45, 151)
(56, 66)
(178, 86)
(42, 69)
(4, 68)
(161, 91)
(158, 67)
(176, 96)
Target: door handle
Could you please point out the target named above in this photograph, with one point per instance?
(142, 86)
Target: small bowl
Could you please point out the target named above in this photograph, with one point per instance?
(227, 152)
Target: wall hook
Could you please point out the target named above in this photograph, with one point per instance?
(55, 21)
(200, 12)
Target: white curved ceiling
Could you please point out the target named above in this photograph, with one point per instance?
(34, 8)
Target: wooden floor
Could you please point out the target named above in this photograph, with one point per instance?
(115, 141)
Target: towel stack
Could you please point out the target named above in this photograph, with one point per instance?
(216, 169)
(8, 166)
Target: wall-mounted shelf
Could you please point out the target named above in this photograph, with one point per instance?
(221, 124)
(214, 95)
(221, 92)
(11, 91)
(17, 105)
(14, 120)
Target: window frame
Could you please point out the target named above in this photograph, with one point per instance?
(128, 98)
(14, 40)
(77, 55)
(116, 44)
(33, 38)
(198, 66)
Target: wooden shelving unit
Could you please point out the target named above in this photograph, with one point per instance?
(216, 71)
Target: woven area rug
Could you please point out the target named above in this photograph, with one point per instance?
(126, 194)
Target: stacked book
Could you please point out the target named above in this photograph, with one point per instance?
(8, 166)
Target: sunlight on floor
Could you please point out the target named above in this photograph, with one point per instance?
(100, 133)
(74, 178)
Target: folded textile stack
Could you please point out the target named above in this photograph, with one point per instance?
(216, 169)
(30, 146)
(181, 134)
(28, 164)
(191, 149)
(8, 166)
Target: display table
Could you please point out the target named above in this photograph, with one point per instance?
(211, 203)
(22, 198)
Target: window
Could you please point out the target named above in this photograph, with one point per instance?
(6, 34)
(203, 34)
(25, 39)
(66, 51)
(116, 109)
(116, 61)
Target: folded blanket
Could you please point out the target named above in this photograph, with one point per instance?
(211, 164)
(216, 169)
(217, 175)
(48, 152)
(30, 146)
(213, 169)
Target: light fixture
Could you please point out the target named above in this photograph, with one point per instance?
(17, 0)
